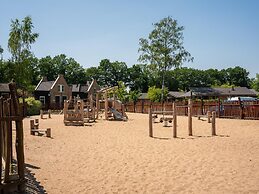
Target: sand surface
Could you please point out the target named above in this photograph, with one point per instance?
(119, 157)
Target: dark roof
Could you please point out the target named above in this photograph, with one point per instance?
(175, 94)
(45, 86)
(206, 91)
(143, 96)
(4, 87)
(254, 91)
(235, 91)
(75, 87)
(79, 88)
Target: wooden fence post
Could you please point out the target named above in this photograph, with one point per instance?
(41, 114)
(213, 124)
(150, 123)
(49, 113)
(190, 117)
(1, 138)
(174, 121)
(48, 132)
(19, 135)
(209, 116)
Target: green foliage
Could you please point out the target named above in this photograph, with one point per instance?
(164, 48)
(134, 95)
(121, 92)
(33, 106)
(112, 72)
(255, 83)
(155, 94)
(20, 40)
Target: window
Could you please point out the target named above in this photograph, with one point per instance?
(42, 99)
(61, 88)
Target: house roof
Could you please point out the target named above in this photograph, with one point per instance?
(143, 96)
(253, 90)
(45, 86)
(175, 94)
(4, 87)
(206, 91)
(79, 88)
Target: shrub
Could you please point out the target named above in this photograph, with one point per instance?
(33, 106)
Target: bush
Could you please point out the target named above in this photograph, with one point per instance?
(33, 106)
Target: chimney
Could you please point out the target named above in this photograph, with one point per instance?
(233, 88)
(44, 79)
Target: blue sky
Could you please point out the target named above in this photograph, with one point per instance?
(218, 33)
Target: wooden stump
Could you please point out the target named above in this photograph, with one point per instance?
(213, 124)
(48, 132)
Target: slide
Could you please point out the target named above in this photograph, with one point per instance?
(117, 115)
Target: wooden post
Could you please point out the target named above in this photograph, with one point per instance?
(213, 124)
(48, 132)
(65, 110)
(190, 117)
(41, 114)
(1, 138)
(8, 144)
(32, 126)
(49, 113)
(209, 116)
(150, 123)
(114, 100)
(174, 121)
(106, 105)
(97, 105)
(19, 135)
(91, 102)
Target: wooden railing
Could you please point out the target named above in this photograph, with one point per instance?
(224, 109)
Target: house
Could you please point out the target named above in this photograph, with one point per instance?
(85, 91)
(52, 93)
(206, 92)
(4, 89)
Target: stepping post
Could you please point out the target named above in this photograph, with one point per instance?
(174, 121)
(213, 124)
(150, 123)
(190, 117)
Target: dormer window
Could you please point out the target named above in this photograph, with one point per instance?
(61, 88)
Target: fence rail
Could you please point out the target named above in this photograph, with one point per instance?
(241, 110)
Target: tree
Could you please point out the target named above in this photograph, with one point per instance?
(112, 72)
(164, 48)
(138, 78)
(20, 40)
(133, 97)
(1, 52)
(255, 83)
(121, 92)
(156, 94)
(238, 76)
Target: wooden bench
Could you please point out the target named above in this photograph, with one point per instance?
(34, 125)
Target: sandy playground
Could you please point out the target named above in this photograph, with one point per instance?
(119, 157)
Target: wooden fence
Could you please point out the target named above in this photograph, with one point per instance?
(11, 160)
(224, 109)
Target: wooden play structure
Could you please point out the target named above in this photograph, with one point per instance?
(34, 127)
(12, 177)
(42, 113)
(80, 113)
(211, 119)
(113, 109)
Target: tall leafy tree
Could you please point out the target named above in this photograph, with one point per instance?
(163, 49)
(238, 76)
(112, 72)
(1, 53)
(138, 78)
(255, 83)
(20, 40)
